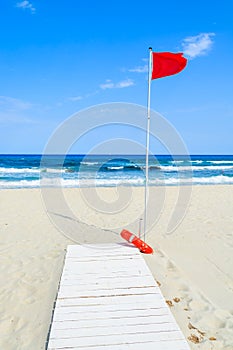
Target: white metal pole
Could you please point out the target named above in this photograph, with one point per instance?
(147, 141)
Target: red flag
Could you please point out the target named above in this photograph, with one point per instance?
(167, 63)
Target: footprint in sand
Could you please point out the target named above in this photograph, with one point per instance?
(199, 305)
(229, 324)
(18, 324)
(26, 292)
(170, 266)
(184, 287)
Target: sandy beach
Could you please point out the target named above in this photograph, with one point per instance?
(193, 263)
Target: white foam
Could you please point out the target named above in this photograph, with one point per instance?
(115, 167)
(197, 161)
(74, 183)
(177, 161)
(19, 170)
(213, 167)
(220, 179)
(89, 163)
(175, 168)
(53, 170)
(19, 184)
(214, 180)
(220, 161)
(196, 168)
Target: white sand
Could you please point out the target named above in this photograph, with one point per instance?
(194, 263)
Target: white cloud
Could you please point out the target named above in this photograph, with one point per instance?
(140, 69)
(107, 85)
(14, 110)
(15, 119)
(124, 83)
(198, 45)
(13, 104)
(75, 98)
(26, 5)
(120, 85)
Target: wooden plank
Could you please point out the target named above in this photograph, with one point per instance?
(114, 307)
(108, 299)
(104, 314)
(73, 291)
(117, 322)
(112, 339)
(106, 266)
(95, 282)
(118, 299)
(111, 330)
(168, 345)
(100, 250)
(104, 258)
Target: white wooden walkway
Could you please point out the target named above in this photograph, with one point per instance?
(108, 299)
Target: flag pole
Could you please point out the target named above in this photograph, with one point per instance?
(147, 141)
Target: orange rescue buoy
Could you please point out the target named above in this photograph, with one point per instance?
(131, 238)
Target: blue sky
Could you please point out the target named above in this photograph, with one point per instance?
(59, 57)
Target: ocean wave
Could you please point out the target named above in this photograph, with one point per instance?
(19, 170)
(30, 170)
(19, 184)
(213, 167)
(137, 181)
(195, 168)
(197, 161)
(53, 170)
(172, 168)
(115, 167)
(213, 180)
(89, 163)
(220, 179)
(220, 161)
(164, 168)
(92, 182)
(186, 161)
(177, 161)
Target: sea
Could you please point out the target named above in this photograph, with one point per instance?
(33, 171)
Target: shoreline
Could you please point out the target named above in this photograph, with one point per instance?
(193, 263)
(176, 185)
